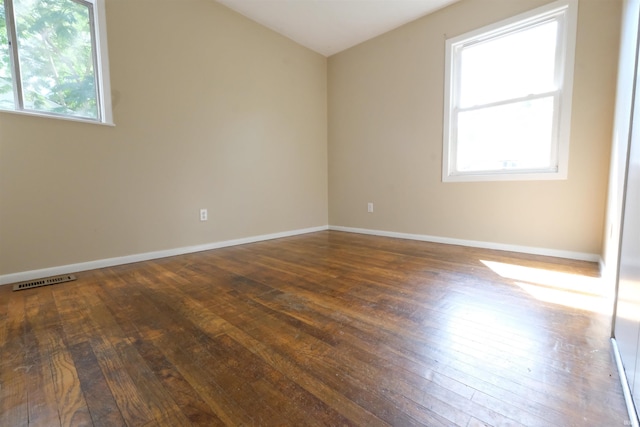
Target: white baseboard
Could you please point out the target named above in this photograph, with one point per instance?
(109, 262)
(582, 256)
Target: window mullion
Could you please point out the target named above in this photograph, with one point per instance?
(13, 54)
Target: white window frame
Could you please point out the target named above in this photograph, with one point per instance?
(566, 14)
(101, 62)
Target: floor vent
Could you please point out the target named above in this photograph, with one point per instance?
(44, 282)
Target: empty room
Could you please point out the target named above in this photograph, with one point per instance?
(319, 212)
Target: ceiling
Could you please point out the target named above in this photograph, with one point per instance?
(330, 26)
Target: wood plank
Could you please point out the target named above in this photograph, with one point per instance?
(72, 408)
(179, 346)
(74, 318)
(100, 401)
(13, 364)
(196, 310)
(124, 368)
(327, 328)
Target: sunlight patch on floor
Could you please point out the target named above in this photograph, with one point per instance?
(566, 289)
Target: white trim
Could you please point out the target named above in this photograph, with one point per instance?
(57, 117)
(109, 262)
(602, 266)
(102, 58)
(631, 409)
(581, 256)
(128, 259)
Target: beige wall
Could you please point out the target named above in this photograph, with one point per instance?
(214, 111)
(211, 111)
(385, 138)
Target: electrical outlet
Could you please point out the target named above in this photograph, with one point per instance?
(203, 215)
(369, 207)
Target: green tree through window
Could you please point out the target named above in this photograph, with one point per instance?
(55, 59)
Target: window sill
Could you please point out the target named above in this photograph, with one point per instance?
(506, 176)
(57, 117)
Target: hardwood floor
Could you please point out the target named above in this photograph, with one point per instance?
(326, 328)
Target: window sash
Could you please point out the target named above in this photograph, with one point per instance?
(553, 160)
(460, 47)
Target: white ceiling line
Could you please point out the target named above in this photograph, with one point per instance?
(331, 26)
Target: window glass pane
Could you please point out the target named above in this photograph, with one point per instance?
(6, 81)
(56, 57)
(510, 66)
(508, 137)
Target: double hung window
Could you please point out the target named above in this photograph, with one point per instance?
(508, 98)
